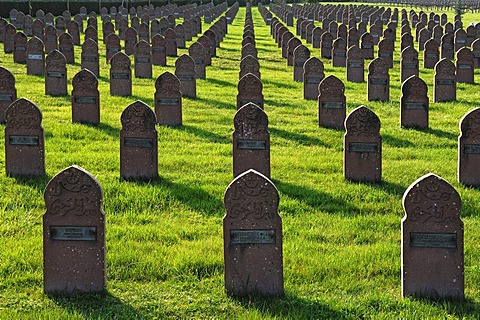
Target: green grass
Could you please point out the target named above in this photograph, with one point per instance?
(164, 238)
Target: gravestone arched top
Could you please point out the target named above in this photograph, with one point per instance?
(65, 38)
(431, 200)
(465, 55)
(55, 60)
(378, 67)
(362, 122)
(184, 63)
(142, 47)
(111, 40)
(138, 117)
(470, 125)
(294, 42)
(331, 85)
(476, 44)
(355, 53)
(409, 52)
(445, 67)
(90, 46)
(73, 191)
(339, 43)
(170, 34)
(313, 65)
(23, 114)
(301, 52)
(250, 62)
(85, 80)
(247, 190)
(431, 45)
(414, 86)
(7, 80)
(250, 84)
(167, 82)
(130, 33)
(120, 61)
(35, 44)
(250, 120)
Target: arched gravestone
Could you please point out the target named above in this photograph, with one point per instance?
(459, 40)
(168, 100)
(284, 41)
(432, 240)
(3, 23)
(170, 43)
(8, 93)
(24, 140)
(252, 235)
(138, 143)
(469, 149)
(207, 43)
(366, 45)
(91, 33)
(362, 146)
(378, 86)
(251, 140)
(248, 39)
(159, 56)
(120, 75)
(249, 50)
(144, 32)
(85, 98)
(249, 64)
(317, 37)
(431, 54)
(65, 46)
(112, 45)
(300, 54)
(35, 57)
(464, 65)
(74, 31)
(406, 41)
(56, 74)
(326, 45)
(313, 73)
(332, 104)
(89, 57)
(408, 63)
(414, 103)
(423, 36)
(180, 34)
(355, 64)
(292, 44)
(108, 28)
(249, 90)
(8, 36)
(339, 53)
(19, 47)
(353, 37)
(476, 53)
(143, 60)
(74, 234)
(445, 84)
(130, 40)
(185, 72)
(385, 52)
(51, 39)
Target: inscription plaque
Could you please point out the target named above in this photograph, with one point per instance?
(20, 48)
(120, 76)
(73, 233)
(35, 57)
(185, 78)
(410, 66)
(86, 100)
(313, 80)
(415, 106)
(261, 236)
(6, 97)
(138, 142)
(167, 102)
(465, 66)
(55, 74)
(355, 65)
(251, 144)
(432, 55)
(89, 58)
(332, 105)
(24, 140)
(433, 240)
(472, 148)
(142, 60)
(362, 147)
(378, 81)
(445, 82)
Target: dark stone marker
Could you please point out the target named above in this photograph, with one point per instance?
(55, 74)
(464, 65)
(24, 140)
(251, 141)
(51, 39)
(199, 55)
(249, 90)
(292, 44)
(408, 63)
(460, 39)
(469, 149)
(385, 51)
(414, 103)
(73, 234)
(362, 146)
(112, 46)
(378, 80)
(355, 64)
(286, 36)
(185, 72)
(249, 64)
(317, 37)
(138, 143)
(120, 75)
(38, 30)
(89, 57)
(406, 41)
(8, 93)
(367, 46)
(447, 51)
(332, 103)
(313, 73)
(208, 45)
(476, 53)
(130, 40)
(85, 98)
(445, 82)
(8, 36)
(159, 55)
(74, 30)
(423, 36)
(339, 53)
(35, 56)
(326, 45)
(143, 60)
(108, 28)
(65, 46)
(168, 100)
(20, 47)
(253, 255)
(432, 240)
(300, 55)
(249, 50)
(431, 54)
(91, 33)
(170, 43)
(180, 34)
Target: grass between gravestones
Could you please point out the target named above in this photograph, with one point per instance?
(164, 238)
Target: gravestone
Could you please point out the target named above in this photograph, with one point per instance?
(20, 47)
(73, 234)
(199, 55)
(168, 100)
(108, 28)
(469, 149)
(138, 143)
(317, 37)
(423, 37)
(8, 35)
(143, 60)
(65, 46)
(292, 44)
(249, 90)
(385, 52)
(447, 51)
(35, 57)
(120, 75)
(414, 103)
(464, 65)
(249, 65)
(112, 46)
(367, 46)
(170, 43)
(431, 54)
(89, 57)
(326, 45)
(406, 41)
(8, 93)
(286, 36)
(185, 72)
(432, 240)
(253, 255)
(130, 40)
(27, 25)
(251, 140)
(38, 30)
(48, 20)
(476, 53)
(55, 74)
(339, 53)
(445, 83)
(355, 64)
(459, 39)
(60, 25)
(180, 35)
(300, 55)
(408, 63)
(159, 56)
(85, 98)
(332, 103)
(362, 146)
(91, 33)
(144, 32)
(249, 50)
(24, 140)
(378, 86)
(74, 30)
(207, 44)
(313, 73)
(51, 39)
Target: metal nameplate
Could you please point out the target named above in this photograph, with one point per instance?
(55, 74)
(167, 102)
(185, 78)
(65, 49)
(410, 66)
(89, 58)
(24, 140)
(199, 62)
(415, 106)
(432, 55)
(142, 60)
(445, 82)
(465, 66)
(313, 80)
(6, 97)
(460, 41)
(355, 65)
(85, 100)
(340, 54)
(433, 240)
(20, 48)
(378, 81)
(73, 233)
(114, 49)
(367, 46)
(471, 149)
(158, 50)
(259, 236)
(333, 105)
(362, 147)
(252, 144)
(35, 57)
(385, 55)
(138, 142)
(120, 76)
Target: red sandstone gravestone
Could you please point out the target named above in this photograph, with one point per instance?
(331, 103)
(313, 73)
(432, 240)
(168, 100)
(185, 72)
(249, 90)
(19, 47)
(199, 55)
(65, 46)
(252, 235)
(378, 87)
(464, 65)
(89, 57)
(159, 56)
(85, 98)
(445, 84)
(8, 93)
(35, 57)
(469, 149)
(408, 63)
(143, 60)
(431, 54)
(120, 75)
(300, 55)
(355, 64)
(339, 53)
(74, 234)
(55, 74)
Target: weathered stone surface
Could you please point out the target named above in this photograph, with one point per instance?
(8, 92)
(300, 54)
(431, 54)
(89, 57)
(199, 55)
(414, 103)
(35, 57)
(339, 53)
(469, 149)
(408, 63)
(464, 65)
(85, 98)
(66, 47)
(120, 75)
(74, 258)
(185, 72)
(159, 55)
(55, 74)
(20, 47)
(355, 64)
(170, 43)
(143, 60)
(168, 100)
(432, 240)
(313, 74)
(445, 84)
(331, 103)
(130, 40)
(249, 90)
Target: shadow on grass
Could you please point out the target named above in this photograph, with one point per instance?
(396, 142)
(440, 133)
(299, 138)
(390, 187)
(38, 183)
(207, 135)
(218, 104)
(96, 306)
(291, 307)
(459, 309)
(276, 84)
(221, 82)
(105, 128)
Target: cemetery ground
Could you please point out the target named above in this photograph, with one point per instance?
(341, 240)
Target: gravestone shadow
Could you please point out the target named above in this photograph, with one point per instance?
(299, 138)
(396, 142)
(105, 128)
(468, 308)
(204, 134)
(217, 103)
(38, 183)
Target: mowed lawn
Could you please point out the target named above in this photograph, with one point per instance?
(341, 240)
